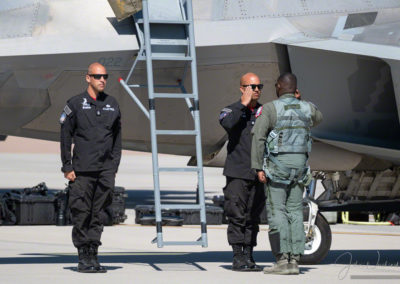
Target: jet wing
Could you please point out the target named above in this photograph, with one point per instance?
(376, 40)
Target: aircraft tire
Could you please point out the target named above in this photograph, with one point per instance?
(322, 242)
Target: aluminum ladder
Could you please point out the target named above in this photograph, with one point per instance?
(165, 31)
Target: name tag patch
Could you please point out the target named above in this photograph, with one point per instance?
(108, 108)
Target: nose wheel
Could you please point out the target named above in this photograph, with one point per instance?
(318, 243)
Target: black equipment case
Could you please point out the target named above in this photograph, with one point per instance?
(32, 206)
(145, 215)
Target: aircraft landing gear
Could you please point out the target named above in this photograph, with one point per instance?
(318, 242)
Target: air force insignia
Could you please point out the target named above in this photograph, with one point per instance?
(259, 111)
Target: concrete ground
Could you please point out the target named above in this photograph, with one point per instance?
(44, 254)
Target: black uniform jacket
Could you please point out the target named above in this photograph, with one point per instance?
(238, 120)
(95, 128)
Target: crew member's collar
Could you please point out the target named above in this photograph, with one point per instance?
(287, 95)
(100, 96)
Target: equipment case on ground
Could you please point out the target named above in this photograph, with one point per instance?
(145, 215)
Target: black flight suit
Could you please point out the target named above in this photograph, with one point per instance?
(244, 194)
(94, 127)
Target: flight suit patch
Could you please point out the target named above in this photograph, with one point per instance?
(259, 111)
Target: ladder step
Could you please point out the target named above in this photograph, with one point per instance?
(178, 169)
(167, 57)
(181, 206)
(183, 243)
(168, 22)
(174, 96)
(168, 41)
(176, 132)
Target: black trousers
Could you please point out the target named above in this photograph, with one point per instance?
(244, 201)
(90, 193)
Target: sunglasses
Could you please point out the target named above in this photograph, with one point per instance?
(254, 86)
(98, 76)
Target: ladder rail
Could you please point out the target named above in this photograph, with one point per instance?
(154, 149)
(134, 97)
(143, 26)
(140, 52)
(183, 89)
(196, 111)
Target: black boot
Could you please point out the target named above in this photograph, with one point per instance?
(85, 265)
(248, 256)
(93, 250)
(239, 262)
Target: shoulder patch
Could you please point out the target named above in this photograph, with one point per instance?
(222, 115)
(259, 111)
(67, 110)
(224, 112)
(63, 117)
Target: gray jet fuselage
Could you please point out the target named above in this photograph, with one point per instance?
(346, 56)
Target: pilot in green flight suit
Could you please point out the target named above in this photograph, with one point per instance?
(279, 153)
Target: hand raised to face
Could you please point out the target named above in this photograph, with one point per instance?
(246, 96)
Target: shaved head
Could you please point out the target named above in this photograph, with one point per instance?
(250, 87)
(95, 67)
(96, 85)
(249, 78)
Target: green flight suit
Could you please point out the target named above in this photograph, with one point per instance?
(284, 202)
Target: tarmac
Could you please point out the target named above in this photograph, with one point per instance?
(44, 254)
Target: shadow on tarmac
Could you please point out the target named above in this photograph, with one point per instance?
(303, 269)
(360, 257)
(75, 269)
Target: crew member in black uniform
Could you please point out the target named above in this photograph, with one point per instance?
(91, 121)
(244, 194)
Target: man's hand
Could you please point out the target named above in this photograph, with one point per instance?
(70, 175)
(246, 96)
(261, 176)
(297, 94)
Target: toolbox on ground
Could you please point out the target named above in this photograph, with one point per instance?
(37, 206)
(145, 215)
(32, 206)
